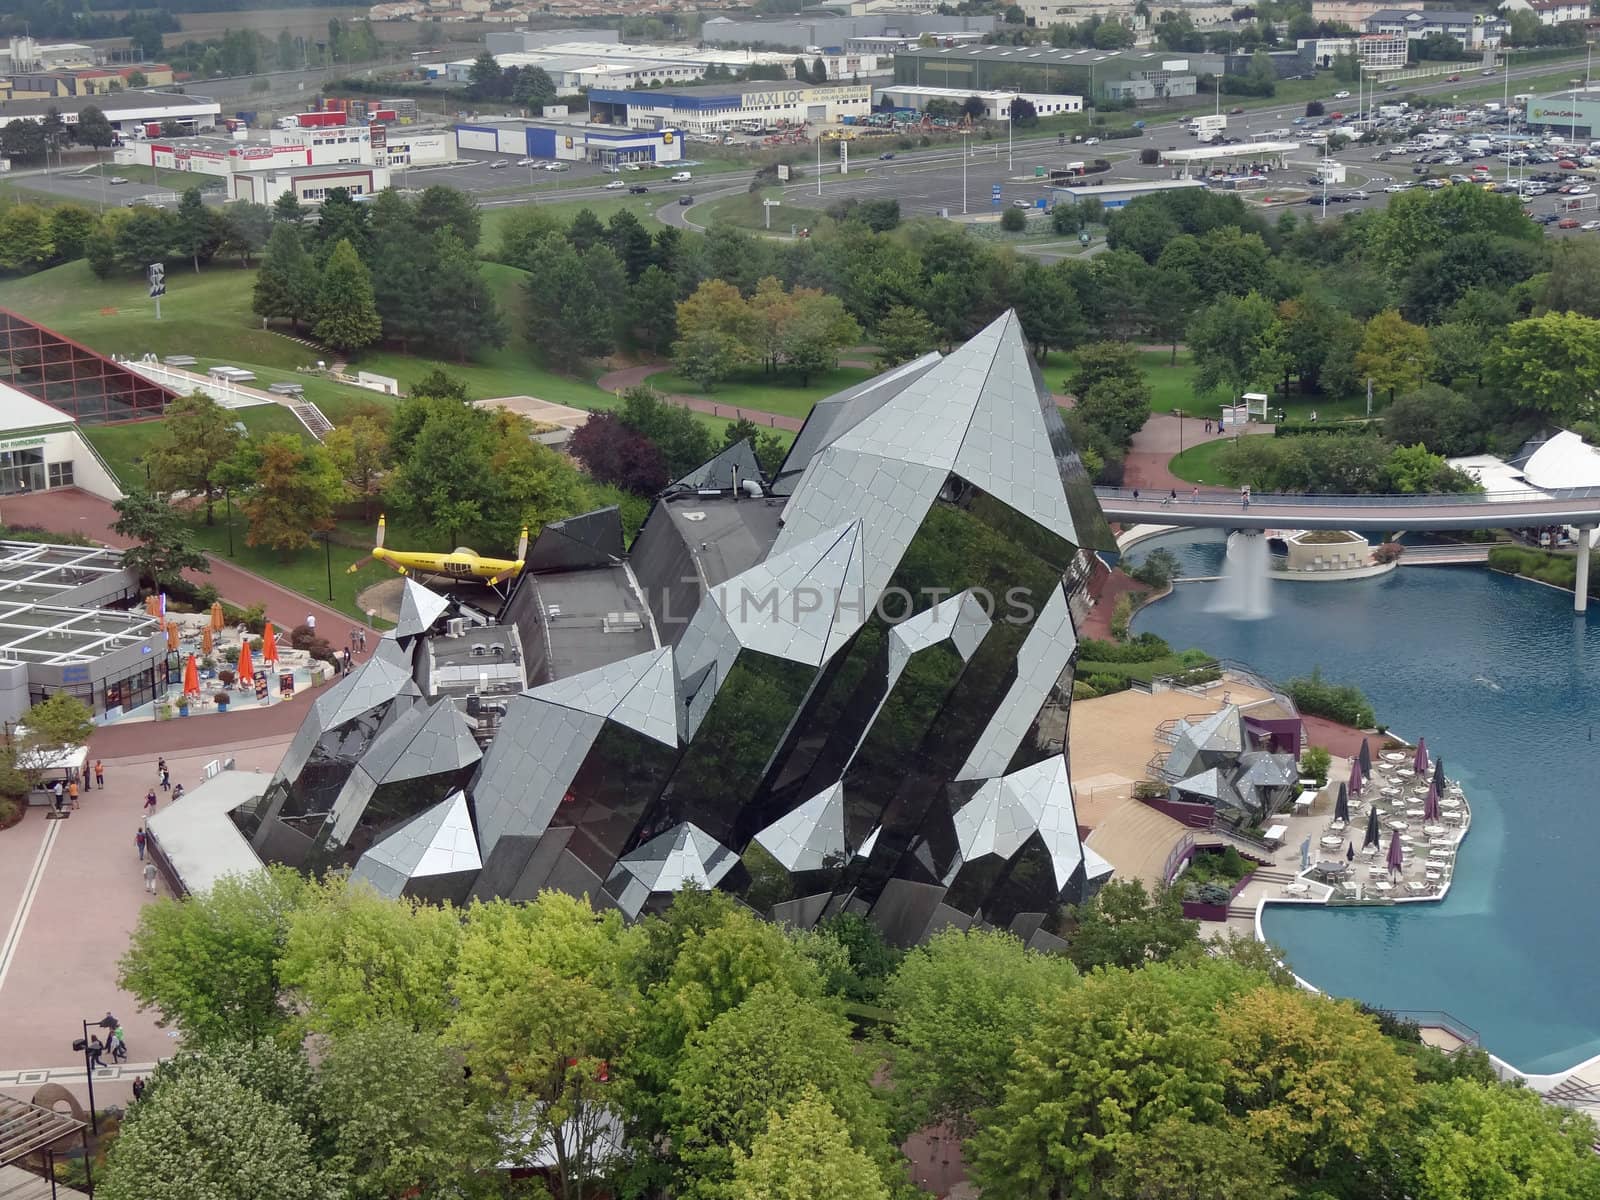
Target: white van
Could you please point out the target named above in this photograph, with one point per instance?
(680, 177)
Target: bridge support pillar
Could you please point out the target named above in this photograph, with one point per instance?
(1580, 591)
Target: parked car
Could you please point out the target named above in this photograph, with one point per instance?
(1404, 186)
(526, 162)
(1580, 189)
(1020, 204)
(1589, 226)
(1546, 219)
(116, 179)
(631, 167)
(616, 185)
(1567, 223)
(498, 163)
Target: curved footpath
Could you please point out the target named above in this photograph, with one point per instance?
(74, 511)
(620, 381)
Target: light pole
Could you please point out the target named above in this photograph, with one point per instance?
(1573, 132)
(1178, 412)
(227, 500)
(327, 554)
(963, 172)
(819, 162)
(88, 1075)
(1010, 122)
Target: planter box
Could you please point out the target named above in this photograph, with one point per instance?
(1196, 911)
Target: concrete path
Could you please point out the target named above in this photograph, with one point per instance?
(1155, 444)
(17, 1184)
(621, 380)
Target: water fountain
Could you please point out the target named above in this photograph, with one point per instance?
(1243, 592)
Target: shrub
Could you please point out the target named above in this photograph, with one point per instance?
(323, 649)
(1158, 570)
(1206, 893)
(1149, 156)
(1013, 220)
(1082, 691)
(1388, 552)
(10, 811)
(226, 678)
(1105, 685)
(1338, 702)
(301, 637)
(1315, 763)
(1146, 647)
(1121, 615)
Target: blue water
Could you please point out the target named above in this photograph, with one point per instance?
(1499, 675)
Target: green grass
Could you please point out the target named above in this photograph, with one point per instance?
(1170, 386)
(765, 393)
(124, 446)
(603, 207)
(1169, 664)
(1198, 464)
(305, 571)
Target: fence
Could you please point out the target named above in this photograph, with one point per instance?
(1179, 854)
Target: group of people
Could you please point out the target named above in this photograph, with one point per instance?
(114, 1045)
(64, 791)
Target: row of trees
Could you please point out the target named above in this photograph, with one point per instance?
(28, 142)
(325, 1032)
(800, 331)
(395, 269)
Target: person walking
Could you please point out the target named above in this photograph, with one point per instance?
(166, 780)
(59, 791)
(72, 793)
(118, 1047)
(138, 840)
(1195, 497)
(161, 765)
(150, 877)
(138, 1087)
(361, 639)
(99, 774)
(95, 1051)
(311, 622)
(149, 802)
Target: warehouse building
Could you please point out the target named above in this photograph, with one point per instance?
(1093, 74)
(310, 184)
(716, 107)
(574, 65)
(996, 105)
(576, 142)
(1573, 114)
(829, 31)
(126, 111)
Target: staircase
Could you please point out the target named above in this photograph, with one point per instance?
(309, 415)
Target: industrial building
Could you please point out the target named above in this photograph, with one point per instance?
(577, 65)
(1573, 114)
(127, 111)
(831, 32)
(310, 184)
(715, 107)
(841, 689)
(996, 105)
(1093, 74)
(575, 142)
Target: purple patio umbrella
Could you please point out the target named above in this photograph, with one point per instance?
(1438, 774)
(1421, 764)
(1373, 838)
(1358, 778)
(1396, 851)
(1430, 806)
(1365, 758)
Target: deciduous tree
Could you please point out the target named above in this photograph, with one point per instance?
(902, 334)
(296, 489)
(163, 548)
(805, 1154)
(362, 455)
(1551, 365)
(1124, 926)
(614, 453)
(196, 439)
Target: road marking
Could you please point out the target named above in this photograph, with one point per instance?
(8, 949)
(36, 1076)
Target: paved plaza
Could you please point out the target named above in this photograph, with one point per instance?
(70, 895)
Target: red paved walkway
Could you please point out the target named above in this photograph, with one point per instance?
(71, 510)
(1155, 444)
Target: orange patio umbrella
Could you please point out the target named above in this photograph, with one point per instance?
(191, 677)
(205, 640)
(152, 605)
(269, 645)
(216, 615)
(247, 672)
(172, 635)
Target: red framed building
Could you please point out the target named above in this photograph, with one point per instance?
(89, 387)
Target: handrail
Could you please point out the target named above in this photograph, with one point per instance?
(1499, 499)
(1439, 1019)
(1170, 867)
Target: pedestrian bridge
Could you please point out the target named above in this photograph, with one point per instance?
(1217, 509)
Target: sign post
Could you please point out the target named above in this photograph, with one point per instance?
(994, 195)
(158, 284)
(769, 205)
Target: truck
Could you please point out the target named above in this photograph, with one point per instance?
(312, 120)
(1200, 125)
(1208, 135)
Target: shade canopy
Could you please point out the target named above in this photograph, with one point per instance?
(1396, 850)
(1373, 838)
(247, 670)
(1421, 763)
(269, 644)
(1358, 778)
(1364, 757)
(1430, 807)
(191, 677)
(217, 621)
(1438, 774)
(1341, 806)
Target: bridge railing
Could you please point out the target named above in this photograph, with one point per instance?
(1154, 498)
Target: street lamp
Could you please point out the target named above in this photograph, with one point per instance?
(88, 1075)
(964, 153)
(1178, 412)
(327, 554)
(227, 500)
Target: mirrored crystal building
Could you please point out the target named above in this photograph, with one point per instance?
(843, 689)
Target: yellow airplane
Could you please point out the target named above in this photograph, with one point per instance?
(460, 563)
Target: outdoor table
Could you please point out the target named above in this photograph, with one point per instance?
(1383, 885)
(1394, 756)
(1397, 825)
(1416, 812)
(1391, 791)
(1449, 802)
(1275, 833)
(1433, 830)
(1406, 773)
(1441, 852)
(1332, 840)
(1304, 801)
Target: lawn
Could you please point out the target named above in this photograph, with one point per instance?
(124, 446)
(1170, 386)
(765, 393)
(603, 207)
(305, 571)
(1199, 463)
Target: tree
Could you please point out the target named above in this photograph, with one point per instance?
(163, 549)
(1013, 220)
(683, 440)
(209, 964)
(902, 334)
(652, 310)
(296, 489)
(534, 89)
(1495, 1142)
(202, 1132)
(58, 722)
(486, 79)
(960, 1003)
(23, 142)
(819, 71)
(813, 335)
(805, 1154)
(1100, 361)
(1237, 343)
(196, 439)
(341, 219)
(630, 242)
(138, 79)
(406, 1122)
(542, 1009)
(196, 233)
(1118, 407)
(287, 283)
(144, 237)
(717, 307)
(1123, 925)
(245, 228)
(440, 207)
(760, 1056)
(708, 357)
(1314, 108)
(569, 317)
(614, 453)
(1179, 1160)
(1573, 284)
(1320, 1086)
(1107, 1061)
(441, 484)
(1444, 421)
(347, 316)
(361, 454)
(288, 209)
(93, 128)
(26, 240)
(1394, 353)
(769, 447)
(71, 227)
(462, 316)
(1415, 222)
(1551, 365)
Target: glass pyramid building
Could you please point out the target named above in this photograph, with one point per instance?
(844, 689)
